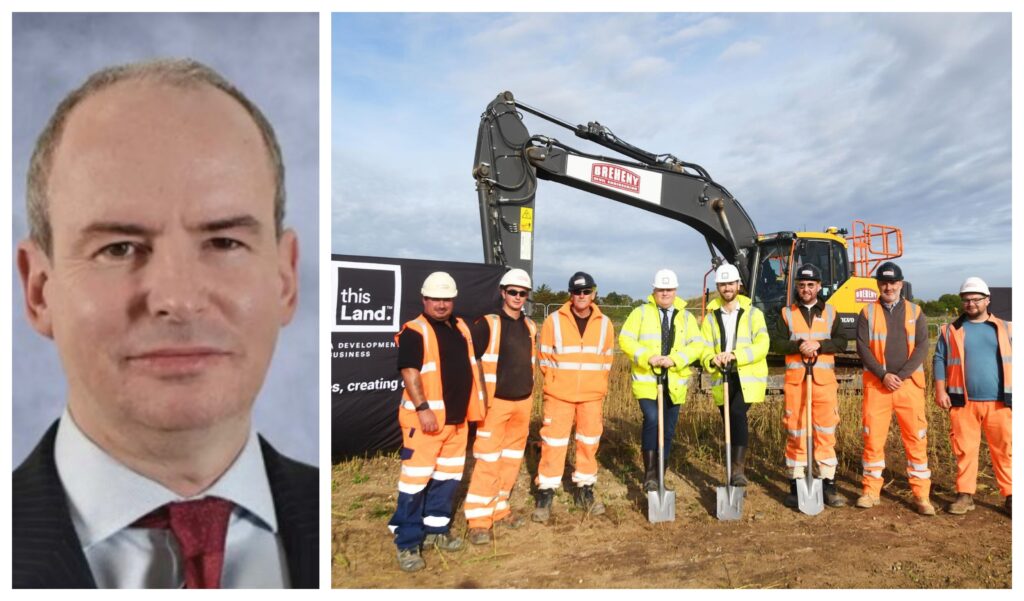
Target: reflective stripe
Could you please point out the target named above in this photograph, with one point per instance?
(478, 499)
(489, 357)
(501, 505)
(753, 380)
(480, 512)
(750, 354)
(452, 461)
(582, 366)
(410, 489)
(588, 439)
(874, 463)
(512, 453)
(483, 433)
(436, 521)
(797, 433)
(558, 336)
(917, 466)
(873, 474)
(628, 334)
(605, 322)
(794, 366)
(640, 378)
(549, 481)
(433, 405)
(650, 336)
(490, 377)
(555, 442)
(428, 367)
(955, 389)
(573, 349)
(639, 353)
(795, 463)
(547, 363)
(488, 457)
(446, 475)
(584, 479)
(824, 429)
(829, 461)
(924, 475)
(417, 472)
(544, 348)
(922, 433)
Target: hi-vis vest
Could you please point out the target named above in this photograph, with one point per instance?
(752, 342)
(576, 368)
(824, 371)
(640, 339)
(875, 314)
(430, 373)
(955, 381)
(489, 360)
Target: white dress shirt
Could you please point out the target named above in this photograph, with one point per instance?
(729, 323)
(105, 497)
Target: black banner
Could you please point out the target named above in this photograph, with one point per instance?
(374, 296)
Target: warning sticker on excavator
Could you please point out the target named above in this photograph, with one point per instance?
(525, 219)
(526, 246)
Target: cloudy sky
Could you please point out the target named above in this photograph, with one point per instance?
(809, 120)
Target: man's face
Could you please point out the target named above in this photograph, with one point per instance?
(514, 297)
(888, 291)
(582, 298)
(439, 309)
(167, 284)
(808, 290)
(664, 297)
(975, 305)
(728, 291)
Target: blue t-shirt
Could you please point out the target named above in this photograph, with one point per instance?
(981, 347)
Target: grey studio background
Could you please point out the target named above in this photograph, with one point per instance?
(273, 59)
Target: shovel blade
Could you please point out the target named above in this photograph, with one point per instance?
(809, 496)
(661, 508)
(730, 502)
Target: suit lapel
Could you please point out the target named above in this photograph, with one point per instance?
(296, 504)
(46, 549)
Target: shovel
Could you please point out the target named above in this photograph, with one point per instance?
(808, 489)
(661, 505)
(730, 498)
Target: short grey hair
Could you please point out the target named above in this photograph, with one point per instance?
(185, 73)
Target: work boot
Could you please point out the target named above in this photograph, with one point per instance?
(1009, 505)
(511, 521)
(791, 499)
(543, 510)
(444, 541)
(480, 536)
(866, 501)
(963, 503)
(739, 459)
(585, 499)
(410, 560)
(923, 506)
(832, 496)
(650, 471)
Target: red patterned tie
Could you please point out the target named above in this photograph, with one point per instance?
(200, 527)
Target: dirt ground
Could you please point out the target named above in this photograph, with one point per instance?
(772, 546)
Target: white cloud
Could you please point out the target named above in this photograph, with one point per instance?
(742, 49)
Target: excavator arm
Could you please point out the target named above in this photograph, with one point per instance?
(509, 162)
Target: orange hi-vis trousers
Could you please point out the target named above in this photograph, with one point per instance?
(966, 424)
(824, 419)
(908, 403)
(554, 434)
(431, 471)
(499, 446)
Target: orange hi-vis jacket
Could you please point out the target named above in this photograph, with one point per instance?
(489, 360)
(955, 381)
(875, 314)
(824, 368)
(576, 367)
(430, 375)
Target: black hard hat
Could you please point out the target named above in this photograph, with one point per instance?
(580, 280)
(889, 272)
(808, 271)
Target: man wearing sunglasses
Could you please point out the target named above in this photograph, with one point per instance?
(576, 345)
(892, 341)
(504, 345)
(977, 393)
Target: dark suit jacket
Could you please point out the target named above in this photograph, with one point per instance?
(48, 554)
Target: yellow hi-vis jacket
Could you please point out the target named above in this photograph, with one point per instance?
(752, 342)
(640, 339)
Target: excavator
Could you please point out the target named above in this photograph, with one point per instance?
(510, 160)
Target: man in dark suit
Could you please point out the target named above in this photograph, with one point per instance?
(158, 263)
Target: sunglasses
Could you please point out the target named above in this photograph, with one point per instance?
(522, 293)
(583, 292)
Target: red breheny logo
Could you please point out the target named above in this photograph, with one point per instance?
(865, 295)
(615, 176)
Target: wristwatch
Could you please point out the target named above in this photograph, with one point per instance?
(422, 406)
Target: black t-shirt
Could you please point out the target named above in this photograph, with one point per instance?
(456, 374)
(581, 322)
(515, 372)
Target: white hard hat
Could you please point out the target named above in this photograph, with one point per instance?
(439, 285)
(665, 278)
(727, 273)
(976, 285)
(516, 277)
